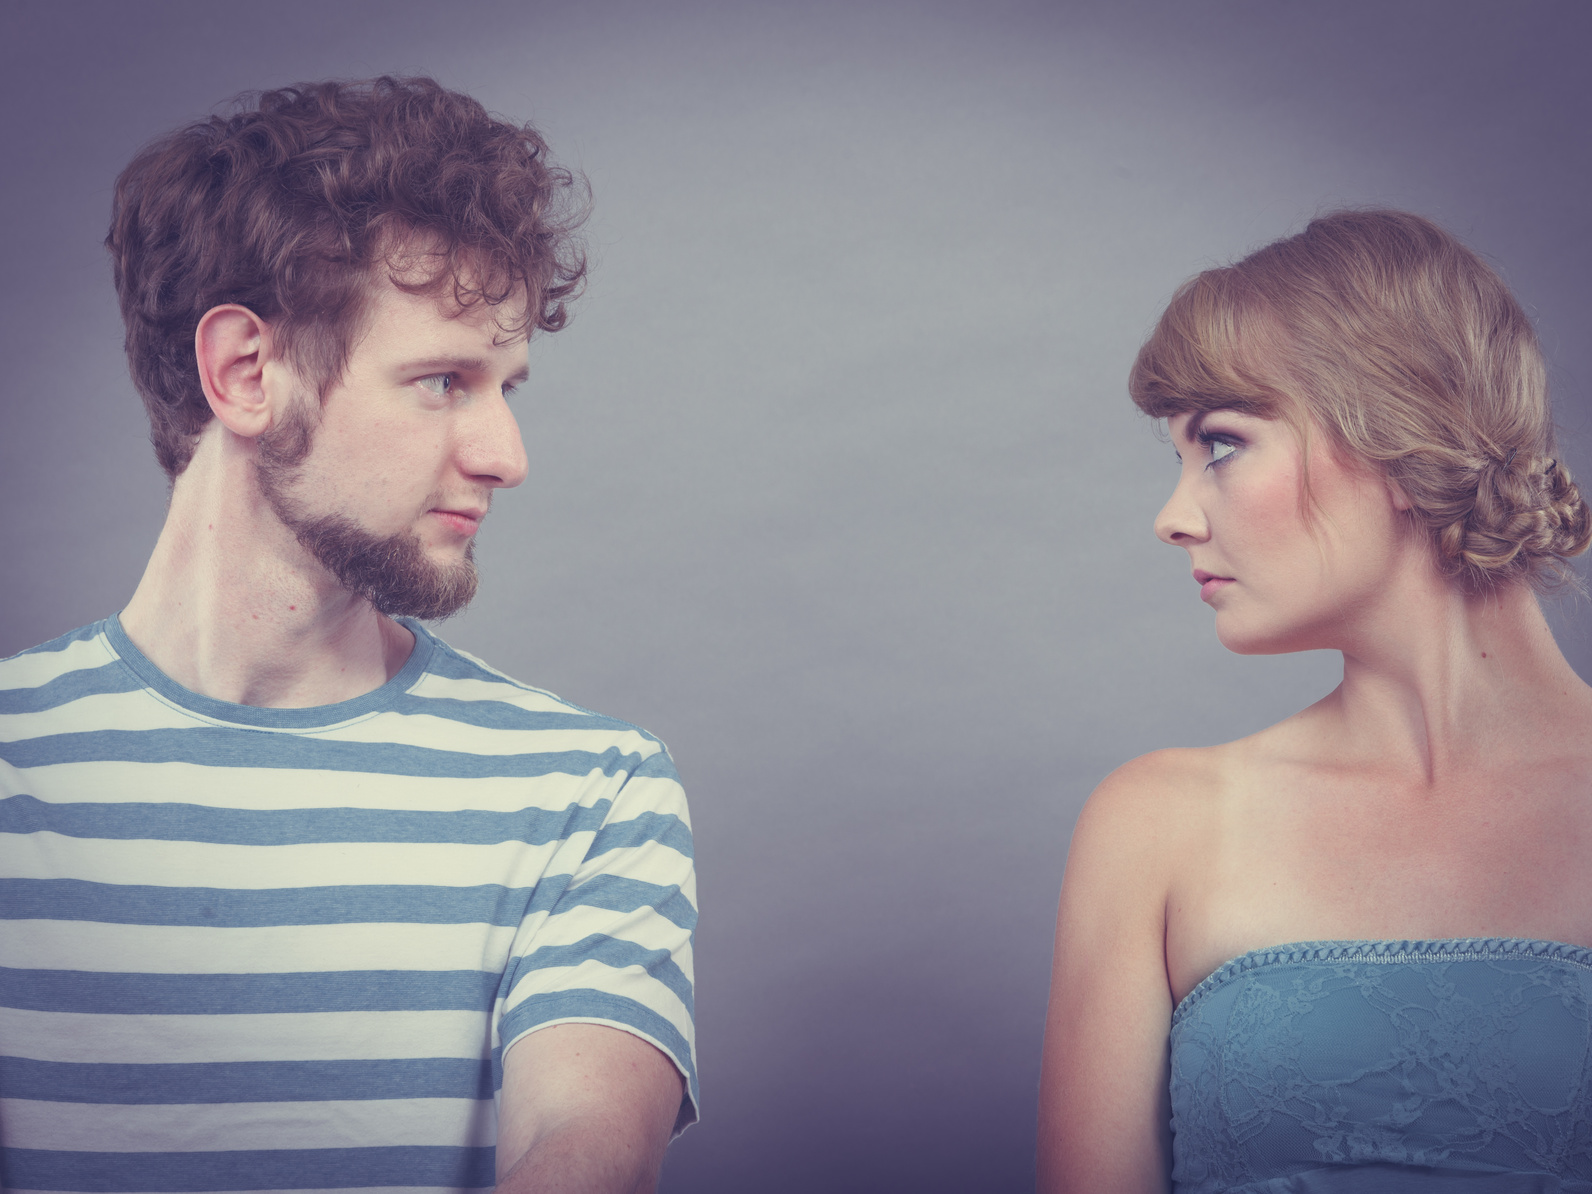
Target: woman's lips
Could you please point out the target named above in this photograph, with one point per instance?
(1210, 584)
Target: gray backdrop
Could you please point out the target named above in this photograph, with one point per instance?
(834, 484)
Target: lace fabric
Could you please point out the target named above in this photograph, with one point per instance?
(1391, 1065)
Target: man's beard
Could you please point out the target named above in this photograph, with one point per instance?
(391, 572)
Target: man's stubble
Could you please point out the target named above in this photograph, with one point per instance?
(391, 571)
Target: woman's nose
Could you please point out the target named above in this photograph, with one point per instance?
(1182, 521)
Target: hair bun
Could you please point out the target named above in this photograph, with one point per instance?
(1527, 513)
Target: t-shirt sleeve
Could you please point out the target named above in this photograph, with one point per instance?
(612, 944)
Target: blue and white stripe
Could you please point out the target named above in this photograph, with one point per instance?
(284, 949)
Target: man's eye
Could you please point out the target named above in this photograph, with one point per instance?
(438, 383)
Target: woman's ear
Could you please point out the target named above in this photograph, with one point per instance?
(1401, 500)
(232, 345)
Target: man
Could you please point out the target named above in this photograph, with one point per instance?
(293, 896)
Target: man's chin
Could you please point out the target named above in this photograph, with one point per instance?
(393, 573)
(446, 591)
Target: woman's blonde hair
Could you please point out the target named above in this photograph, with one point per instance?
(1398, 341)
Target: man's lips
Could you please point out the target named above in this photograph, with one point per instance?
(465, 521)
(1210, 583)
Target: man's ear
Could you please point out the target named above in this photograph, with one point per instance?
(232, 345)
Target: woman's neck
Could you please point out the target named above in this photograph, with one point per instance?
(1464, 683)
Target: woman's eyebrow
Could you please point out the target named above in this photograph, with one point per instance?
(1191, 429)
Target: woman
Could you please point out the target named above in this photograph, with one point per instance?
(1367, 466)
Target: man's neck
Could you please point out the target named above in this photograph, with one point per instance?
(231, 606)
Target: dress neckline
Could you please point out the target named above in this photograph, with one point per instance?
(1411, 949)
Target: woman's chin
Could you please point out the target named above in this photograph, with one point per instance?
(1250, 639)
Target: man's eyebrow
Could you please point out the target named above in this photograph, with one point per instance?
(461, 365)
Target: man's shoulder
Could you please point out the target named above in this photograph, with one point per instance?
(465, 687)
(80, 650)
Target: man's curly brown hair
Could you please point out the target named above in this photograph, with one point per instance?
(291, 206)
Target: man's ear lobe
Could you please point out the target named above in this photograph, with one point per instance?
(232, 345)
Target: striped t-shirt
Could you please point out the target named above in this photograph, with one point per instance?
(284, 949)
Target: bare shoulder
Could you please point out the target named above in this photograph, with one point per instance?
(1145, 825)
(1160, 798)
(1103, 1110)
(1175, 773)
(1144, 822)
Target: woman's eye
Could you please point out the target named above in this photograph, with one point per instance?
(438, 383)
(1220, 449)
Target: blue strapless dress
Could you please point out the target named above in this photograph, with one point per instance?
(1337, 1066)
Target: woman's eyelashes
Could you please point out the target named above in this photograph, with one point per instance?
(1219, 446)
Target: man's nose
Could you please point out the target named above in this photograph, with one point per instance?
(491, 450)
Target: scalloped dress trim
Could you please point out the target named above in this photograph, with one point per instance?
(1450, 949)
